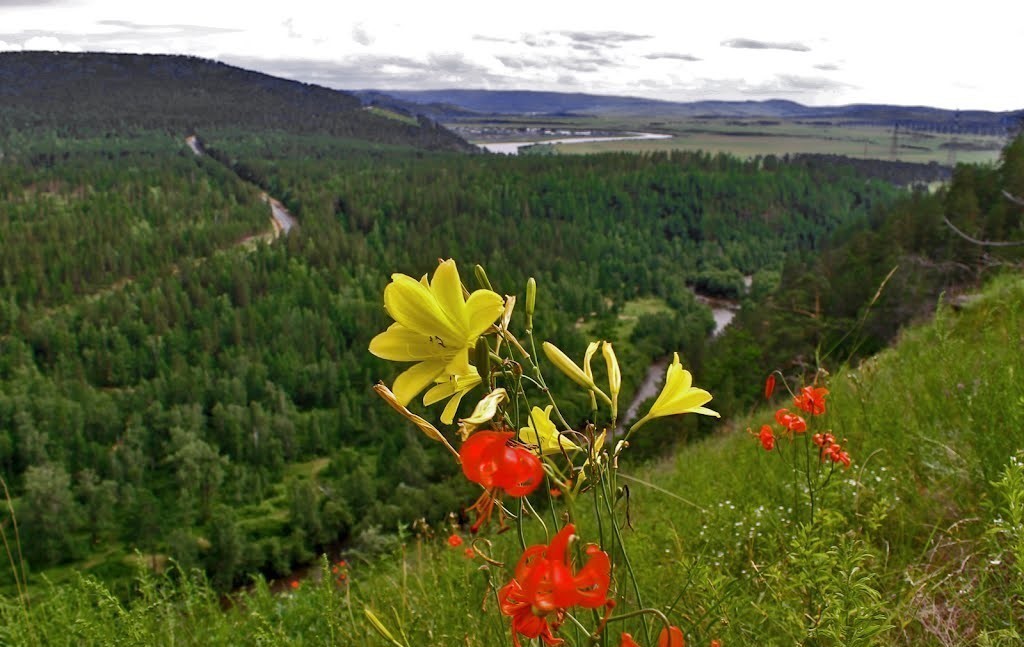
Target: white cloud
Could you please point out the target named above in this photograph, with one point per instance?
(9, 47)
(48, 44)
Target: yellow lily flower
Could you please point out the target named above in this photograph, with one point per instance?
(453, 387)
(678, 396)
(542, 434)
(569, 367)
(435, 326)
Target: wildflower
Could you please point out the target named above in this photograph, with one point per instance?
(469, 553)
(294, 584)
(454, 541)
(543, 435)
(811, 400)
(452, 388)
(543, 587)
(791, 422)
(836, 454)
(435, 326)
(767, 438)
(614, 376)
(769, 386)
(678, 396)
(716, 643)
(823, 440)
(669, 637)
(493, 460)
(483, 413)
(584, 378)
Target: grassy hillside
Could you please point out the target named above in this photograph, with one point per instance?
(921, 542)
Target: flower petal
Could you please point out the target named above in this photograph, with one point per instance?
(446, 286)
(482, 309)
(400, 344)
(411, 382)
(414, 306)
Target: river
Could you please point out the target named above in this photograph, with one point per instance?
(723, 311)
(512, 148)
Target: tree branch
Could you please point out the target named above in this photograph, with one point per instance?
(986, 243)
(1012, 198)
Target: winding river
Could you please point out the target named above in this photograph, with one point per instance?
(723, 312)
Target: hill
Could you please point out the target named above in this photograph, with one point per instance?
(98, 94)
(453, 104)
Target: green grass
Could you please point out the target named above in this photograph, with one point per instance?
(921, 542)
(390, 114)
(626, 320)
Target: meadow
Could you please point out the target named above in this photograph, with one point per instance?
(747, 138)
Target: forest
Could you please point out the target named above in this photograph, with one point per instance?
(168, 390)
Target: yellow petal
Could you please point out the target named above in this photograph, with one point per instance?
(681, 402)
(614, 376)
(428, 429)
(400, 344)
(567, 366)
(448, 413)
(591, 349)
(543, 433)
(482, 309)
(415, 307)
(446, 286)
(484, 412)
(411, 382)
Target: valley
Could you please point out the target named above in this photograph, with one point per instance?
(187, 415)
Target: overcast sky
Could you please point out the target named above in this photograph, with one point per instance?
(815, 52)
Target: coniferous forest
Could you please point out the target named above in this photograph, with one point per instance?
(178, 383)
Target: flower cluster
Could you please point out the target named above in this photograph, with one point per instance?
(458, 341)
(544, 587)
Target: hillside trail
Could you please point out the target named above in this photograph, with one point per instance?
(281, 223)
(281, 220)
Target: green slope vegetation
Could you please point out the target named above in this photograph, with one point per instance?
(71, 96)
(919, 543)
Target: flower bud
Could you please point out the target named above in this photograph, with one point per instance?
(531, 296)
(481, 277)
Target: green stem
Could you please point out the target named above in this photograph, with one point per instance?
(625, 558)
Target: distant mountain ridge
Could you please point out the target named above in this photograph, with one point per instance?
(100, 94)
(453, 104)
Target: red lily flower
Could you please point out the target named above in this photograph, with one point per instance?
(670, 637)
(811, 400)
(488, 458)
(767, 438)
(769, 386)
(823, 440)
(790, 421)
(491, 459)
(544, 585)
(836, 454)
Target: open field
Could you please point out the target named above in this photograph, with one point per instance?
(750, 137)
